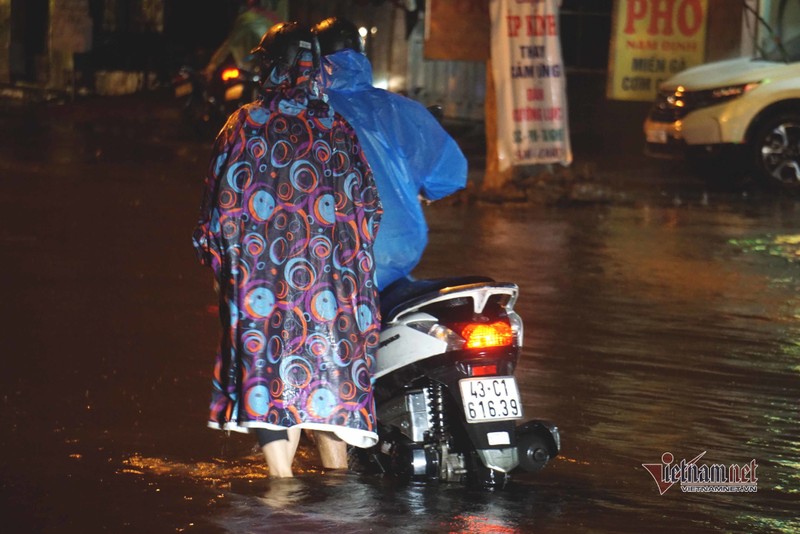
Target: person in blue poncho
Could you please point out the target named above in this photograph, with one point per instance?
(409, 151)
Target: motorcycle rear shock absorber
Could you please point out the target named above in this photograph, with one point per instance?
(450, 464)
(439, 429)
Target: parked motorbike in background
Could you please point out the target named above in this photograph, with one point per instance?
(207, 103)
(446, 396)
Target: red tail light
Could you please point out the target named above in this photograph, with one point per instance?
(483, 370)
(479, 336)
(230, 74)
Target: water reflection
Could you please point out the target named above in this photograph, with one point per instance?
(352, 504)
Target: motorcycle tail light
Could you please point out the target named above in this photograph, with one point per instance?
(479, 336)
(230, 74)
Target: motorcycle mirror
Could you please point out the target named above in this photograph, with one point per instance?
(437, 111)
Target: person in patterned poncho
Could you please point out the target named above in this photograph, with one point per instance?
(288, 220)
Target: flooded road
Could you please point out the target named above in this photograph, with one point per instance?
(652, 325)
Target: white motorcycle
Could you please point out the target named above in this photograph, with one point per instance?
(447, 399)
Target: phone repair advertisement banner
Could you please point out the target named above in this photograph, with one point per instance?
(530, 83)
(652, 40)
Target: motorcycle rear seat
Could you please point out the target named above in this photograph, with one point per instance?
(398, 293)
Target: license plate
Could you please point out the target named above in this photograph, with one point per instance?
(657, 136)
(183, 89)
(490, 399)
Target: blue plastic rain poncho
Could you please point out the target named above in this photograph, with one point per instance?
(409, 152)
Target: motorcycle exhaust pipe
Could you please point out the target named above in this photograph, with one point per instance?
(538, 442)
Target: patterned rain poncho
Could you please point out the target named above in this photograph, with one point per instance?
(288, 220)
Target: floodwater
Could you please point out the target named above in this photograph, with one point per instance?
(667, 320)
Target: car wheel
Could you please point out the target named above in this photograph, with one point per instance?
(776, 152)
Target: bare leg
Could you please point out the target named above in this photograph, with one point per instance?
(294, 440)
(332, 450)
(279, 454)
(276, 453)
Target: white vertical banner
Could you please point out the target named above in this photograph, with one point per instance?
(530, 83)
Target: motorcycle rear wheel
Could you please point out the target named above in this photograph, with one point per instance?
(201, 117)
(484, 477)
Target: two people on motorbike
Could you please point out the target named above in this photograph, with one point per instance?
(289, 221)
(252, 22)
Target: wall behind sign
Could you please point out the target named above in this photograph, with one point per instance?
(651, 41)
(457, 30)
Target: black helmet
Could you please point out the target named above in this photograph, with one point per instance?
(336, 34)
(283, 44)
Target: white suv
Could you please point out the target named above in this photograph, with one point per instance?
(752, 104)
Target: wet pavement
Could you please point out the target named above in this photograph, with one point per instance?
(665, 318)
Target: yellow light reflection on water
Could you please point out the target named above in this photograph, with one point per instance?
(217, 471)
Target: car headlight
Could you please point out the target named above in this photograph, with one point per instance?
(675, 104)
